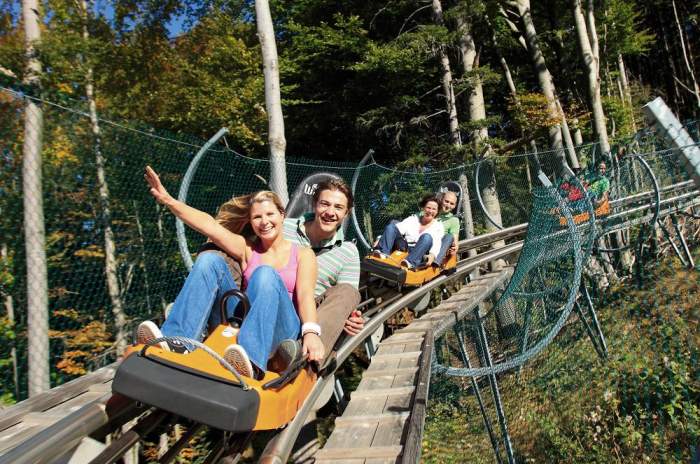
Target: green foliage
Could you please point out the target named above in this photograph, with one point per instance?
(530, 114)
(619, 116)
(641, 405)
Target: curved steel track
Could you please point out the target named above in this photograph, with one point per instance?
(109, 412)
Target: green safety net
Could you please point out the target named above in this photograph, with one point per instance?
(535, 329)
(150, 266)
(591, 349)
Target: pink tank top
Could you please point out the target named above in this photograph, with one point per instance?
(288, 273)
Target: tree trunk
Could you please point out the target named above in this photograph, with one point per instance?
(566, 134)
(477, 113)
(111, 267)
(678, 100)
(588, 45)
(545, 80)
(142, 242)
(626, 91)
(273, 100)
(508, 75)
(34, 231)
(688, 64)
(450, 102)
(10, 311)
(578, 138)
(623, 79)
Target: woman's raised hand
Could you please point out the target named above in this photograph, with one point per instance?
(157, 190)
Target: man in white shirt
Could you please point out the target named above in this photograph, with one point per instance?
(420, 234)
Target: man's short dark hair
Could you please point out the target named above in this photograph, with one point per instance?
(334, 184)
(429, 197)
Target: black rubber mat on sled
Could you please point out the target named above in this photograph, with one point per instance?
(383, 270)
(216, 403)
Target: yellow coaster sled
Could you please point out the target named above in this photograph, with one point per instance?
(390, 269)
(200, 387)
(602, 209)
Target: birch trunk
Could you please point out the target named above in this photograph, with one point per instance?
(623, 79)
(626, 91)
(34, 231)
(111, 268)
(273, 100)
(566, 134)
(578, 137)
(448, 89)
(588, 45)
(8, 302)
(545, 80)
(477, 113)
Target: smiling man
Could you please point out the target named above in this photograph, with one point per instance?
(450, 222)
(338, 260)
(336, 288)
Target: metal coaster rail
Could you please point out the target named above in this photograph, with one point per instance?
(109, 412)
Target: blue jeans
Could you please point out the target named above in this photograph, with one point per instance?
(271, 319)
(392, 240)
(447, 241)
(272, 316)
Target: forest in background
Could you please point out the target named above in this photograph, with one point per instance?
(427, 85)
(420, 82)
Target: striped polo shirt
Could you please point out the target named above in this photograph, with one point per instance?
(338, 261)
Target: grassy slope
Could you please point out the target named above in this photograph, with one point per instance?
(566, 406)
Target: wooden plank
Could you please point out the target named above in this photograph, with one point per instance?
(403, 391)
(403, 355)
(391, 416)
(389, 434)
(397, 371)
(375, 383)
(414, 437)
(409, 329)
(398, 347)
(359, 436)
(366, 406)
(397, 337)
(366, 452)
(404, 380)
(383, 364)
(398, 403)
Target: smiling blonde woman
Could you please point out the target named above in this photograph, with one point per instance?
(278, 276)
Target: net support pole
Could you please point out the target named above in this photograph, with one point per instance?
(600, 336)
(684, 244)
(659, 114)
(458, 329)
(589, 330)
(353, 188)
(676, 250)
(182, 195)
(526, 330)
(481, 332)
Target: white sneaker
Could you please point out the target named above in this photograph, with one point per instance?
(236, 356)
(379, 254)
(148, 331)
(406, 264)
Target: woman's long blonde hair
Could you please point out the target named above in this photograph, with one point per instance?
(235, 213)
